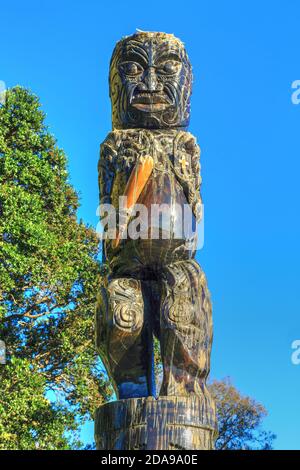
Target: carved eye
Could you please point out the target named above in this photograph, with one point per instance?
(170, 67)
(131, 68)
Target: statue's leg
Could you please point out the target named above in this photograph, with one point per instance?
(186, 330)
(122, 337)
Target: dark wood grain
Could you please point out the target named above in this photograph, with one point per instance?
(154, 286)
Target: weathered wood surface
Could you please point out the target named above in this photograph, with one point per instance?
(168, 423)
(154, 286)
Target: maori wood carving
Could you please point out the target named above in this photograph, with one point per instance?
(154, 286)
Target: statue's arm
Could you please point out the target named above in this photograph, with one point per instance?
(106, 174)
(196, 169)
(106, 168)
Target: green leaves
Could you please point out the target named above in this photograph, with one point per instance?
(49, 276)
(28, 419)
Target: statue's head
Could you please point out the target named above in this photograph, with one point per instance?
(150, 82)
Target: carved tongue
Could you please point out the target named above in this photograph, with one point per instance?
(135, 185)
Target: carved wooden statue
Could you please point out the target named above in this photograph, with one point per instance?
(154, 286)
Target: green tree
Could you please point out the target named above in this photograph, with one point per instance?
(239, 419)
(28, 419)
(49, 276)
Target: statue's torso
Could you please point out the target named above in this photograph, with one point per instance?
(167, 196)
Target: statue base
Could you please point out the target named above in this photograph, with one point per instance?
(166, 423)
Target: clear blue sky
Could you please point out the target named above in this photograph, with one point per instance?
(245, 56)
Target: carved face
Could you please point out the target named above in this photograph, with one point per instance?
(150, 82)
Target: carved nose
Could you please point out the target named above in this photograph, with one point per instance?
(150, 79)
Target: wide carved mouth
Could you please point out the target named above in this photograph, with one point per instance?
(150, 101)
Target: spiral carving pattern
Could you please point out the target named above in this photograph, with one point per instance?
(127, 303)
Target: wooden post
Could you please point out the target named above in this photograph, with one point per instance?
(154, 287)
(168, 423)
